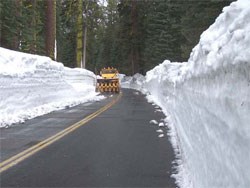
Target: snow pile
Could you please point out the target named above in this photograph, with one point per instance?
(134, 82)
(32, 85)
(207, 103)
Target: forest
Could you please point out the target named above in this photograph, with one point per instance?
(131, 35)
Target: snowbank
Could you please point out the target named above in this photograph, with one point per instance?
(32, 85)
(134, 82)
(207, 103)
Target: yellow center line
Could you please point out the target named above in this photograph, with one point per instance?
(30, 151)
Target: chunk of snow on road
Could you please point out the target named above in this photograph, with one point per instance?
(159, 131)
(158, 110)
(161, 124)
(161, 135)
(136, 93)
(153, 122)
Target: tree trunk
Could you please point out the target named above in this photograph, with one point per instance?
(17, 37)
(50, 28)
(84, 45)
(134, 31)
(79, 35)
(33, 46)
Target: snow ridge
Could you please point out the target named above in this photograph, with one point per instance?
(33, 85)
(207, 103)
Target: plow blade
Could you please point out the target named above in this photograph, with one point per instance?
(108, 85)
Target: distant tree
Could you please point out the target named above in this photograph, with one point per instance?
(33, 44)
(66, 32)
(132, 35)
(196, 18)
(109, 34)
(32, 27)
(10, 24)
(95, 27)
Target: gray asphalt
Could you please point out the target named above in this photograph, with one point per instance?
(119, 148)
(19, 137)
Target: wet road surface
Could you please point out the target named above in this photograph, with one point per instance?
(118, 148)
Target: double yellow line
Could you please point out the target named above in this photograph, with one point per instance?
(30, 151)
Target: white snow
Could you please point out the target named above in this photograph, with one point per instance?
(153, 122)
(158, 110)
(161, 135)
(161, 124)
(207, 103)
(159, 131)
(134, 82)
(32, 85)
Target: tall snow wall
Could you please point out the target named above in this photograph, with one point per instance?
(32, 85)
(207, 102)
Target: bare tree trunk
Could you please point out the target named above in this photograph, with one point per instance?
(85, 26)
(33, 46)
(17, 37)
(50, 28)
(84, 45)
(135, 48)
(79, 36)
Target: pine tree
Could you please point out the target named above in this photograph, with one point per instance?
(95, 27)
(162, 34)
(196, 18)
(130, 35)
(66, 30)
(9, 24)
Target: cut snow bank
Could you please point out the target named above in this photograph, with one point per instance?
(32, 85)
(207, 103)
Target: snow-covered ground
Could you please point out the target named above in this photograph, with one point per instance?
(207, 103)
(32, 85)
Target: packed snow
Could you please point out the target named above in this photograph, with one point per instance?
(32, 85)
(207, 103)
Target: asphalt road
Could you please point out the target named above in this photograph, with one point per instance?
(118, 148)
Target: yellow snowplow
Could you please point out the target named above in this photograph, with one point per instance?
(109, 81)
